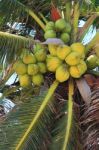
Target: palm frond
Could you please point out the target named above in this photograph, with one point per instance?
(91, 122)
(96, 3)
(38, 115)
(12, 12)
(17, 10)
(18, 121)
(11, 46)
(37, 6)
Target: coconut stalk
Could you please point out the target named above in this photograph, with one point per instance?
(75, 22)
(70, 113)
(43, 17)
(68, 11)
(36, 18)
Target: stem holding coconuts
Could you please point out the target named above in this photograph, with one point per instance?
(36, 18)
(70, 113)
(44, 19)
(75, 22)
(68, 11)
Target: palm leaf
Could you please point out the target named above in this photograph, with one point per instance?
(11, 46)
(91, 121)
(37, 6)
(18, 121)
(38, 115)
(14, 9)
(17, 10)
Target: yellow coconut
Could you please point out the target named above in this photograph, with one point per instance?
(29, 58)
(62, 73)
(74, 72)
(42, 67)
(37, 79)
(53, 63)
(72, 59)
(25, 80)
(82, 67)
(33, 69)
(79, 48)
(20, 68)
(63, 51)
(40, 55)
(52, 49)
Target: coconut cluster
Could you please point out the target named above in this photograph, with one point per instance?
(59, 29)
(66, 61)
(31, 67)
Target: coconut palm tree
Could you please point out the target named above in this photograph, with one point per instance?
(62, 116)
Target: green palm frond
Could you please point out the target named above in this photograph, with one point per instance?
(12, 12)
(18, 121)
(17, 11)
(38, 6)
(96, 3)
(11, 46)
(38, 115)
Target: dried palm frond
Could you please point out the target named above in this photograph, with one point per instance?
(91, 122)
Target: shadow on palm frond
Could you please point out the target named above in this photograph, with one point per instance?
(59, 131)
(15, 10)
(19, 10)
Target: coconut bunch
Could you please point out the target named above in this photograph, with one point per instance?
(66, 61)
(58, 29)
(31, 67)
